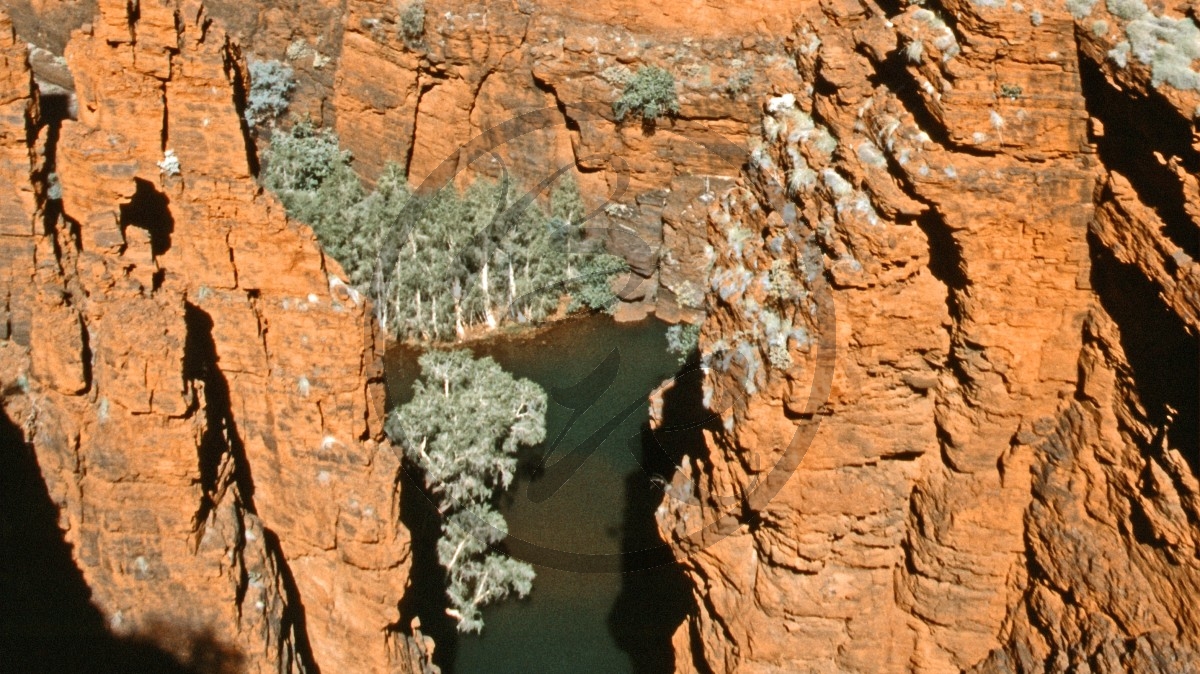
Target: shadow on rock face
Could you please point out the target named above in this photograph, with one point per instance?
(1164, 358)
(47, 621)
(149, 210)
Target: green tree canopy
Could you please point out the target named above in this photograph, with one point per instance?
(436, 265)
(462, 428)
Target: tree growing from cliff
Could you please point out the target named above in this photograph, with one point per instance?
(311, 175)
(462, 428)
(303, 160)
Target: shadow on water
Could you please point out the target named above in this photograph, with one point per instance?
(656, 595)
(48, 623)
(574, 620)
(425, 597)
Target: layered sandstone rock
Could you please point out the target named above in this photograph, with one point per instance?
(994, 467)
(304, 34)
(952, 306)
(203, 393)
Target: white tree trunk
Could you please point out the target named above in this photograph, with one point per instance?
(458, 321)
(450, 564)
(487, 298)
(433, 315)
(421, 317)
(481, 593)
(512, 288)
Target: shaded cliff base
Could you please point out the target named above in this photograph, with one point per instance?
(49, 623)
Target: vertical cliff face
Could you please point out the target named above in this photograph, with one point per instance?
(203, 393)
(305, 34)
(952, 308)
(980, 286)
(479, 65)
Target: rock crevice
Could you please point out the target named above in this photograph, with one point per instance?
(211, 429)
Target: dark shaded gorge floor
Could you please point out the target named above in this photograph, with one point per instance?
(608, 595)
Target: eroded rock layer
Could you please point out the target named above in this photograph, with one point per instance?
(953, 305)
(203, 393)
(946, 254)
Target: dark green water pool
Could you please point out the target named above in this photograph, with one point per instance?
(607, 597)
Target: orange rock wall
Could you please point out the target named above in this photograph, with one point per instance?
(203, 393)
(998, 475)
(479, 65)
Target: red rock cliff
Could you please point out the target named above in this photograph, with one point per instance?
(953, 296)
(202, 392)
(990, 402)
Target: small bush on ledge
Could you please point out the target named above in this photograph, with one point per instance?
(650, 95)
(682, 340)
(412, 23)
(271, 85)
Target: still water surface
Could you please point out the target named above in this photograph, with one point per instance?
(574, 621)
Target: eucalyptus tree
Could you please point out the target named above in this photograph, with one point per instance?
(463, 427)
(437, 265)
(311, 175)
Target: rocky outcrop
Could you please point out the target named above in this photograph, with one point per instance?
(304, 34)
(950, 442)
(49, 23)
(202, 391)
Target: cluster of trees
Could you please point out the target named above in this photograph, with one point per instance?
(436, 265)
(462, 428)
(439, 264)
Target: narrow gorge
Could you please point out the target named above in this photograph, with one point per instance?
(943, 413)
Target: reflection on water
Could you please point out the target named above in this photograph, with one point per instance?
(573, 621)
